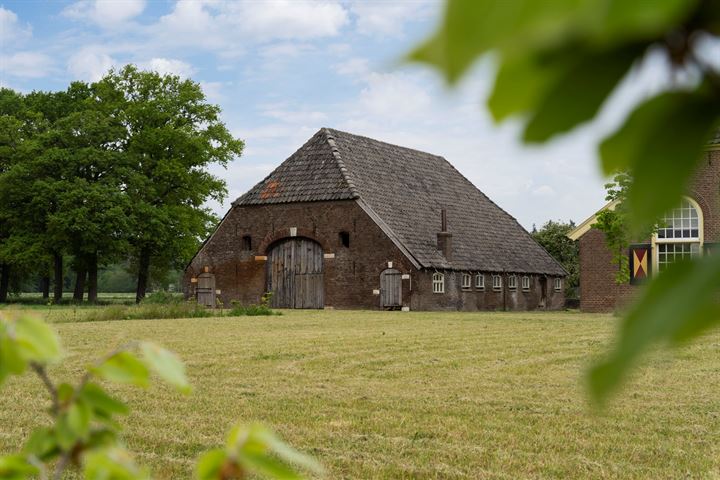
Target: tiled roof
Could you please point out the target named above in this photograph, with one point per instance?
(405, 190)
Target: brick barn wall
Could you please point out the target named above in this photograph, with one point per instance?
(351, 277)
(474, 299)
(598, 290)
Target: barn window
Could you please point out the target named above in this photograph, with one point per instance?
(558, 284)
(466, 281)
(438, 283)
(512, 282)
(480, 281)
(679, 235)
(247, 242)
(345, 239)
(497, 282)
(526, 283)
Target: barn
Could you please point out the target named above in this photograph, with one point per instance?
(349, 222)
(691, 229)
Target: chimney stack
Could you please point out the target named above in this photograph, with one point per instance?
(444, 238)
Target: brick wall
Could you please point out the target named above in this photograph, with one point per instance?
(598, 290)
(352, 276)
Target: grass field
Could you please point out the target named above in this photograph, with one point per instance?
(408, 395)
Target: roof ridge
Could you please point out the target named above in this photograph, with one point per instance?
(409, 149)
(341, 164)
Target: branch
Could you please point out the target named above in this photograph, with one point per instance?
(42, 373)
(60, 467)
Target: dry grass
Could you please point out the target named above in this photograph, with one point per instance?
(409, 395)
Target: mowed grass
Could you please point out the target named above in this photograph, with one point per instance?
(408, 395)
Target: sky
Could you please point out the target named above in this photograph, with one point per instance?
(282, 69)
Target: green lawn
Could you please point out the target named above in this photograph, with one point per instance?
(408, 395)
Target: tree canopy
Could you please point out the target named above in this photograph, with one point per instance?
(108, 171)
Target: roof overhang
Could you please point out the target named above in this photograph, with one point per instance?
(585, 226)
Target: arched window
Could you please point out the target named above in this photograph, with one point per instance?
(466, 281)
(679, 234)
(512, 282)
(438, 283)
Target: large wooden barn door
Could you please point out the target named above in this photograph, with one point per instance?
(390, 288)
(295, 274)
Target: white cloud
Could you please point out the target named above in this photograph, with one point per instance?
(389, 17)
(166, 66)
(106, 13)
(26, 64)
(544, 191)
(394, 96)
(10, 29)
(214, 24)
(353, 67)
(213, 91)
(90, 64)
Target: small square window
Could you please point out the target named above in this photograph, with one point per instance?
(558, 284)
(466, 281)
(247, 243)
(512, 282)
(526, 283)
(480, 281)
(345, 239)
(497, 282)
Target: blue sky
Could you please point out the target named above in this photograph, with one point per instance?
(281, 69)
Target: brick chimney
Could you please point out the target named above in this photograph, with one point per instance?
(444, 238)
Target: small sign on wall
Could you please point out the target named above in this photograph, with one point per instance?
(218, 292)
(405, 309)
(405, 276)
(376, 292)
(389, 264)
(328, 255)
(260, 258)
(293, 231)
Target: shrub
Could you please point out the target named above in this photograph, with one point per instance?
(162, 297)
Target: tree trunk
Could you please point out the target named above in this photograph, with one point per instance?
(80, 274)
(143, 274)
(4, 281)
(58, 267)
(92, 278)
(45, 286)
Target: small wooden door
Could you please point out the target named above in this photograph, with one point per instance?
(295, 274)
(206, 289)
(390, 288)
(543, 292)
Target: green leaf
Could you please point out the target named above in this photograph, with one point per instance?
(257, 449)
(65, 392)
(16, 467)
(580, 91)
(210, 464)
(78, 419)
(35, 340)
(471, 28)
(166, 364)
(42, 443)
(521, 82)
(11, 362)
(660, 145)
(100, 401)
(123, 367)
(679, 304)
(113, 463)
